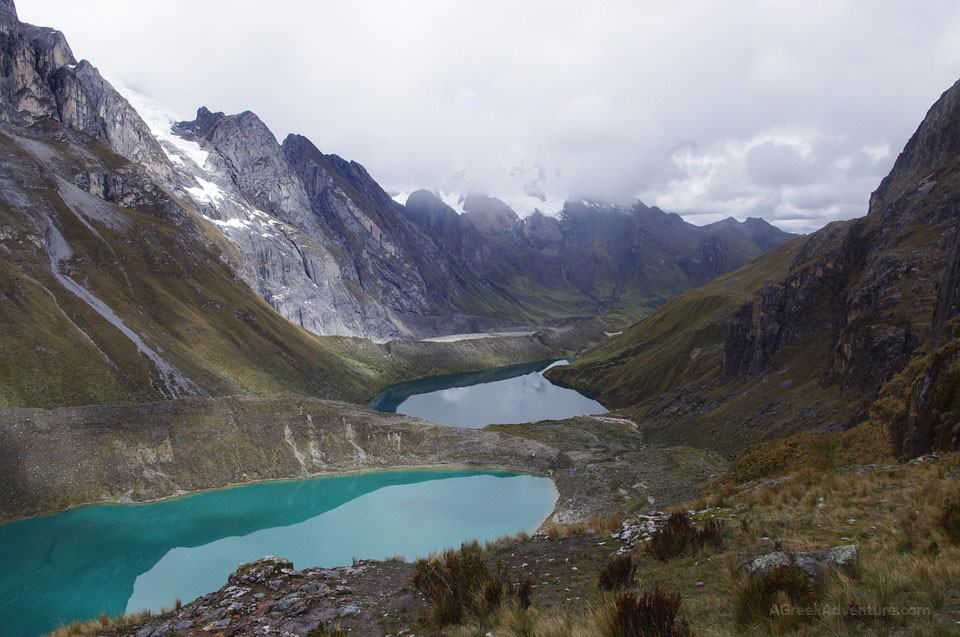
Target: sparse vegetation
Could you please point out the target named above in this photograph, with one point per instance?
(102, 624)
(328, 631)
(781, 597)
(950, 521)
(598, 525)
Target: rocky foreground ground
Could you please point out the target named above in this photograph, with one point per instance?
(271, 597)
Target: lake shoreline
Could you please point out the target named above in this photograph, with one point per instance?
(150, 452)
(452, 468)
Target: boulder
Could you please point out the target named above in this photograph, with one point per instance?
(815, 564)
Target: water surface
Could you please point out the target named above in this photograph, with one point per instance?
(514, 394)
(124, 558)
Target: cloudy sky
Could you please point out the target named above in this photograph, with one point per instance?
(789, 110)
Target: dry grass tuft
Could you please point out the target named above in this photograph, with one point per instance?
(618, 572)
(459, 585)
(677, 535)
(950, 521)
(779, 598)
(651, 614)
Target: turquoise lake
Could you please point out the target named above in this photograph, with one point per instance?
(514, 394)
(124, 558)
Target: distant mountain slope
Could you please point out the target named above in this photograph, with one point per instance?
(596, 257)
(323, 243)
(120, 298)
(863, 310)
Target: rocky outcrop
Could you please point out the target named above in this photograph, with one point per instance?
(254, 160)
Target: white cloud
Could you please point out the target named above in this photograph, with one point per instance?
(792, 110)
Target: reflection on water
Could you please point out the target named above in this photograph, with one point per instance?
(515, 394)
(116, 558)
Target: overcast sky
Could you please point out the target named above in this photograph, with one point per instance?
(792, 111)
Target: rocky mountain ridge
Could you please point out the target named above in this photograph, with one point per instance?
(594, 256)
(367, 270)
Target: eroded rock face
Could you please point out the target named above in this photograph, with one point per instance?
(146, 451)
(596, 253)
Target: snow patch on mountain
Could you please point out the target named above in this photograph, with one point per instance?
(160, 121)
(207, 192)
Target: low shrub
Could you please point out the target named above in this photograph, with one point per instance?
(678, 534)
(784, 596)
(711, 534)
(524, 592)
(672, 537)
(458, 584)
(618, 572)
(950, 521)
(650, 614)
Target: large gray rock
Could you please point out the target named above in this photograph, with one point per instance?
(816, 564)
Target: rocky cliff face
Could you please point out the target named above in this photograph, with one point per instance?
(871, 284)
(42, 80)
(320, 240)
